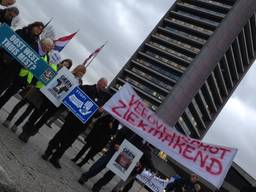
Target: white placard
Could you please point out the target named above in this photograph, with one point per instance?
(124, 160)
(60, 86)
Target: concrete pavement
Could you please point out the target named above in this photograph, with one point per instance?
(29, 173)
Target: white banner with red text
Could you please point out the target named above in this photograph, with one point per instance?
(210, 162)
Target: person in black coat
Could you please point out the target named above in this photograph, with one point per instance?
(8, 14)
(73, 127)
(9, 68)
(100, 135)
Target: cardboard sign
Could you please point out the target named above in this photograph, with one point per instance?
(80, 104)
(124, 160)
(60, 86)
(25, 55)
(154, 183)
(211, 162)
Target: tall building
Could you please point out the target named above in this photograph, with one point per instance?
(192, 61)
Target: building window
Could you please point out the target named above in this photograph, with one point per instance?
(152, 79)
(157, 45)
(189, 25)
(198, 17)
(178, 43)
(186, 35)
(172, 75)
(144, 88)
(169, 62)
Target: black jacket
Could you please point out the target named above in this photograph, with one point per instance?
(101, 131)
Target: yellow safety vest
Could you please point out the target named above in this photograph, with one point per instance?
(39, 84)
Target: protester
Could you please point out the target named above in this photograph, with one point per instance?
(103, 129)
(42, 114)
(144, 162)
(8, 14)
(7, 2)
(32, 97)
(190, 184)
(101, 163)
(12, 76)
(73, 127)
(197, 187)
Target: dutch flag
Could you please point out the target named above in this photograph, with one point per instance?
(60, 43)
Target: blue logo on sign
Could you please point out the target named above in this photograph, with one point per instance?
(80, 104)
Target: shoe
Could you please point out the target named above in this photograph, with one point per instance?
(79, 164)
(45, 157)
(6, 123)
(55, 163)
(95, 189)
(82, 180)
(14, 128)
(73, 160)
(24, 137)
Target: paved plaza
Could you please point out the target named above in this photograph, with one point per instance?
(30, 173)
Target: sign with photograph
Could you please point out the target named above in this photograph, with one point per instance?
(25, 55)
(80, 104)
(209, 161)
(60, 86)
(124, 160)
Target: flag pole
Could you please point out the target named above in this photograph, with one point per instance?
(96, 55)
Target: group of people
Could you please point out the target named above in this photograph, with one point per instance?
(179, 184)
(16, 79)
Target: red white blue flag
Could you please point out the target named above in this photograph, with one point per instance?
(60, 43)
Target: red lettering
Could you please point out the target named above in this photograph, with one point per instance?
(178, 144)
(122, 106)
(133, 101)
(151, 119)
(188, 150)
(215, 168)
(169, 137)
(144, 113)
(131, 118)
(224, 151)
(213, 149)
(142, 125)
(204, 146)
(139, 108)
(201, 158)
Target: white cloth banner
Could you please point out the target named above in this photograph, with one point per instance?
(210, 162)
(154, 183)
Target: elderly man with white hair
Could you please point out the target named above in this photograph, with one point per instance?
(25, 77)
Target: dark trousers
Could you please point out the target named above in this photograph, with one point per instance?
(99, 165)
(107, 177)
(91, 153)
(57, 146)
(15, 110)
(39, 117)
(17, 84)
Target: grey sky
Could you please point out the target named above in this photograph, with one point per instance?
(125, 24)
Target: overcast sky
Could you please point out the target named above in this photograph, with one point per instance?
(125, 24)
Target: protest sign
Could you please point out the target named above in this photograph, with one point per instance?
(124, 160)
(154, 183)
(80, 104)
(60, 86)
(211, 162)
(25, 55)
